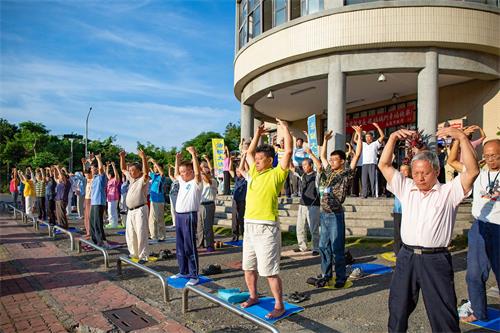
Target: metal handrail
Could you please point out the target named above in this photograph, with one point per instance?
(49, 226)
(67, 232)
(163, 278)
(97, 247)
(254, 319)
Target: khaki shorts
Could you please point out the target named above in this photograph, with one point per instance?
(262, 249)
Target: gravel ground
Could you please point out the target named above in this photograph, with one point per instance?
(361, 308)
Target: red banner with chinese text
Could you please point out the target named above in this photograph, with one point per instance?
(388, 119)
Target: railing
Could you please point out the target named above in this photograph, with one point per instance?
(160, 276)
(49, 226)
(67, 232)
(97, 247)
(254, 319)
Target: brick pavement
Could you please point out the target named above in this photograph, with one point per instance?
(44, 290)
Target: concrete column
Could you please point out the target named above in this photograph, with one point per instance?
(336, 105)
(428, 96)
(246, 121)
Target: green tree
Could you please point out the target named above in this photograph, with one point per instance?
(232, 136)
(202, 142)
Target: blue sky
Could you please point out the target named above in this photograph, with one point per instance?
(157, 71)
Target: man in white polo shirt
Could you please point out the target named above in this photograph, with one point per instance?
(484, 236)
(369, 158)
(429, 214)
(186, 215)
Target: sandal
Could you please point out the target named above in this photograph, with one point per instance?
(212, 270)
(297, 297)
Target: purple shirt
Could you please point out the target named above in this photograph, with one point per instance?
(62, 191)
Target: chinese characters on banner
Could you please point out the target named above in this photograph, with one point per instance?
(312, 133)
(388, 119)
(218, 149)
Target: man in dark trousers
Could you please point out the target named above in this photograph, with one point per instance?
(429, 213)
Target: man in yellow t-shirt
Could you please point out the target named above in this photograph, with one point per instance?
(262, 237)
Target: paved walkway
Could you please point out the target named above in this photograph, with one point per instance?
(44, 290)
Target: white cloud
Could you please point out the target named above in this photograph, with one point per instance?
(39, 76)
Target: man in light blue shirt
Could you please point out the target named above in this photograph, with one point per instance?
(157, 230)
(98, 203)
(81, 182)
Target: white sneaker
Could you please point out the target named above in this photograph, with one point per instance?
(177, 276)
(192, 282)
(356, 273)
(465, 310)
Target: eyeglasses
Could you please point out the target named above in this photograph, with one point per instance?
(491, 157)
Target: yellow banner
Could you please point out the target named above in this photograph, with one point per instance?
(218, 149)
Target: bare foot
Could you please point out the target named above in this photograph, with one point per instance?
(276, 313)
(249, 302)
(468, 319)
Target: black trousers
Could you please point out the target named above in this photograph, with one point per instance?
(431, 273)
(397, 232)
(237, 215)
(356, 183)
(42, 212)
(227, 183)
(51, 211)
(96, 224)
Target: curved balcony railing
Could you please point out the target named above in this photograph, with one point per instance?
(255, 17)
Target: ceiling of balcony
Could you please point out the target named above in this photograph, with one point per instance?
(301, 100)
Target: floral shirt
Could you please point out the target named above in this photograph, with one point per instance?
(333, 188)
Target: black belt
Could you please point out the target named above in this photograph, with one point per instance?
(137, 207)
(425, 250)
(208, 202)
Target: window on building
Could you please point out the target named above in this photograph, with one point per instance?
(295, 10)
(243, 36)
(254, 20)
(279, 12)
(267, 6)
(311, 6)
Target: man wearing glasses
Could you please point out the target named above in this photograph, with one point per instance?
(484, 235)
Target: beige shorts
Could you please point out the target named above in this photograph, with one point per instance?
(262, 249)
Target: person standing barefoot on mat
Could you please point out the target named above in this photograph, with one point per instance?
(262, 238)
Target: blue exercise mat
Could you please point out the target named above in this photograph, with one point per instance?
(121, 232)
(266, 305)
(180, 283)
(369, 269)
(235, 243)
(493, 323)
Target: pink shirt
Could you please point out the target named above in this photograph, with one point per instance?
(226, 164)
(428, 219)
(113, 190)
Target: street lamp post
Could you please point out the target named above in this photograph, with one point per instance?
(87, 131)
(71, 156)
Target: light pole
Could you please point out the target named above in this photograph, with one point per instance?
(87, 132)
(71, 156)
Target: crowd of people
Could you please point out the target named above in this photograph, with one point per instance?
(428, 186)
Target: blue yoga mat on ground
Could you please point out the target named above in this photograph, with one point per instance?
(369, 269)
(493, 323)
(266, 305)
(235, 243)
(180, 283)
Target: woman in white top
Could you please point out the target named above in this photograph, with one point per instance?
(206, 213)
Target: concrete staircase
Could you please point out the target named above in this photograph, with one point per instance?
(363, 217)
